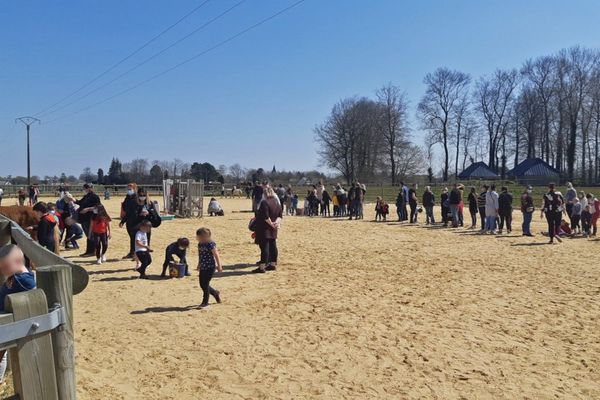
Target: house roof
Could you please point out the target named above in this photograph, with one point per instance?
(478, 170)
(533, 167)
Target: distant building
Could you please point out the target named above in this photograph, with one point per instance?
(534, 171)
(478, 170)
(304, 181)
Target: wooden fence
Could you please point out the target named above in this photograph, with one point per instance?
(40, 339)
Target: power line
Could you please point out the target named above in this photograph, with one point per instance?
(111, 68)
(152, 57)
(214, 47)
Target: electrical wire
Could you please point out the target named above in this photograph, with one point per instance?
(111, 68)
(186, 61)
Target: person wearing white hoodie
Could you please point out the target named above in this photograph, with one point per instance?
(491, 210)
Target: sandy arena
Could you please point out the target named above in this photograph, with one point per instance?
(357, 310)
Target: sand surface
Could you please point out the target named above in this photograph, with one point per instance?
(358, 310)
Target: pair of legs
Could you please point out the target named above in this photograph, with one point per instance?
(490, 223)
(268, 252)
(482, 217)
(145, 259)
(473, 219)
(89, 242)
(454, 212)
(554, 219)
(527, 217)
(506, 218)
(101, 244)
(595, 223)
(207, 290)
(429, 218)
(413, 213)
(575, 222)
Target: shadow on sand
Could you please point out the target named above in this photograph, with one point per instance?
(148, 310)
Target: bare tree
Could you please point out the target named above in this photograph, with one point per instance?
(237, 172)
(445, 88)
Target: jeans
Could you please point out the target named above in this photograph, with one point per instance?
(506, 216)
(482, 217)
(554, 219)
(413, 212)
(527, 217)
(205, 278)
(490, 223)
(145, 259)
(429, 218)
(454, 212)
(268, 252)
(101, 243)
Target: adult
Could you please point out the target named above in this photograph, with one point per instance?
(31, 194)
(570, 197)
(281, 194)
(400, 205)
(289, 195)
(473, 209)
(428, 203)
(404, 189)
(491, 210)
(554, 207)
(527, 208)
(21, 196)
(320, 188)
(505, 209)
(268, 219)
(481, 206)
(129, 216)
(257, 195)
(454, 200)
(445, 202)
(352, 192)
(413, 202)
(86, 204)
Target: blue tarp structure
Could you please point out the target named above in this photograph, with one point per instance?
(534, 171)
(478, 170)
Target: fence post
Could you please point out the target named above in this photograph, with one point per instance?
(56, 282)
(32, 361)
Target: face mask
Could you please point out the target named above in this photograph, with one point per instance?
(130, 192)
(181, 248)
(143, 198)
(52, 212)
(95, 211)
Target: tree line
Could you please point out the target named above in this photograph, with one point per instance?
(548, 108)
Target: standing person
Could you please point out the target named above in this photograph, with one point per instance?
(325, 201)
(336, 203)
(405, 199)
(481, 205)
(445, 202)
(594, 205)
(455, 199)
(586, 221)
(142, 248)
(352, 200)
(45, 228)
(129, 216)
(179, 249)
(31, 194)
(268, 220)
(1, 195)
(553, 209)
(257, 195)
(428, 203)
(413, 202)
(505, 209)
(281, 194)
(473, 209)
(209, 260)
(491, 210)
(100, 232)
(570, 197)
(400, 205)
(576, 216)
(22, 196)
(84, 215)
(320, 188)
(527, 208)
(289, 195)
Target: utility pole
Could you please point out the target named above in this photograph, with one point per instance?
(28, 121)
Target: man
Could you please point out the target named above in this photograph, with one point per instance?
(505, 209)
(352, 193)
(527, 208)
(553, 209)
(481, 206)
(491, 210)
(405, 191)
(84, 215)
(454, 200)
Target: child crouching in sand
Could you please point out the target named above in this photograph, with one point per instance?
(142, 250)
(208, 260)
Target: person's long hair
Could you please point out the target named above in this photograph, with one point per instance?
(102, 213)
(141, 192)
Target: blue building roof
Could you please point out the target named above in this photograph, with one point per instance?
(478, 170)
(533, 167)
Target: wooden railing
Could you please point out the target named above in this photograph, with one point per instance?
(40, 340)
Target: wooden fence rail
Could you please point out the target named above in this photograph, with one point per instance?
(40, 340)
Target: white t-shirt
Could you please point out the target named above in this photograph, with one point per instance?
(142, 238)
(1, 192)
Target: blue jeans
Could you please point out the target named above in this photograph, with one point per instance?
(490, 223)
(430, 219)
(454, 212)
(527, 216)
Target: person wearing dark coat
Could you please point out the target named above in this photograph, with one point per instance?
(129, 217)
(268, 217)
(84, 216)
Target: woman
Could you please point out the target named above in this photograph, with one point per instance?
(268, 220)
(473, 208)
(554, 207)
(527, 208)
(445, 200)
(129, 216)
(428, 203)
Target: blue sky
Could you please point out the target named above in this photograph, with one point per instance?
(255, 100)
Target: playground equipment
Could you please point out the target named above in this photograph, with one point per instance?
(183, 198)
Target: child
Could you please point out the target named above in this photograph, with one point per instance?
(100, 232)
(209, 260)
(294, 204)
(586, 221)
(142, 250)
(576, 216)
(178, 249)
(45, 228)
(74, 233)
(379, 209)
(17, 279)
(336, 204)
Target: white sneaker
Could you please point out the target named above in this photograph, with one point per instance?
(99, 261)
(103, 257)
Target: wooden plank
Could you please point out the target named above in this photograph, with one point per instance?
(4, 232)
(6, 319)
(32, 360)
(55, 281)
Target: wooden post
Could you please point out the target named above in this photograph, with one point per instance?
(32, 360)
(56, 282)
(4, 232)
